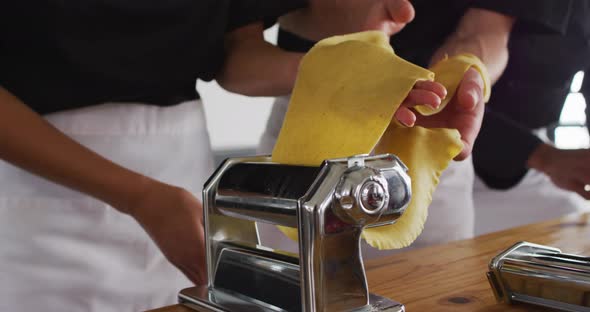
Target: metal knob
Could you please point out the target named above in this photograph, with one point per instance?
(361, 195)
(372, 196)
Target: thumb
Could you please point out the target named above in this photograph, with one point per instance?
(389, 16)
(470, 92)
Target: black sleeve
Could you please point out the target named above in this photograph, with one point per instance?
(244, 12)
(586, 93)
(501, 151)
(553, 15)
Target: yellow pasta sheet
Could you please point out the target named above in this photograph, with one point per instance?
(426, 153)
(346, 94)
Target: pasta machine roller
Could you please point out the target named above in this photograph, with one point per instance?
(330, 205)
(542, 276)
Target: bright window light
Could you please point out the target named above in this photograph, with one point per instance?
(572, 134)
(577, 82)
(571, 137)
(573, 112)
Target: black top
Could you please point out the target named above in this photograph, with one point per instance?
(530, 95)
(435, 20)
(57, 55)
(541, 15)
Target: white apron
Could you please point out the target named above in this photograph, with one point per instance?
(534, 199)
(451, 214)
(63, 251)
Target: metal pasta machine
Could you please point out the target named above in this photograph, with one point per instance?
(330, 205)
(542, 276)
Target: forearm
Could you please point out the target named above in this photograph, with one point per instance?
(31, 143)
(482, 33)
(255, 67)
(540, 157)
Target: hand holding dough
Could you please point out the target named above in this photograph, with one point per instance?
(450, 72)
(343, 102)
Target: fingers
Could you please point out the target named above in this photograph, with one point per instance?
(405, 116)
(582, 188)
(469, 109)
(585, 194)
(192, 274)
(193, 263)
(432, 86)
(422, 97)
(466, 151)
(389, 16)
(586, 190)
(400, 11)
(201, 263)
(575, 186)
(470, 92)
(426, 93)
(468, 123)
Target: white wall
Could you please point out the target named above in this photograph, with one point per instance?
(235, 122)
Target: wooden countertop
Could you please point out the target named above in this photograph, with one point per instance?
(451, 277)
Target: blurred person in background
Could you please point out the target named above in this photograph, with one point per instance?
(521, 176)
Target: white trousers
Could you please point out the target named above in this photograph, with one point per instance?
(63, 251)
(451, 214)
(534, 199)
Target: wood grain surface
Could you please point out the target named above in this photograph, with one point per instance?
(451, 277)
